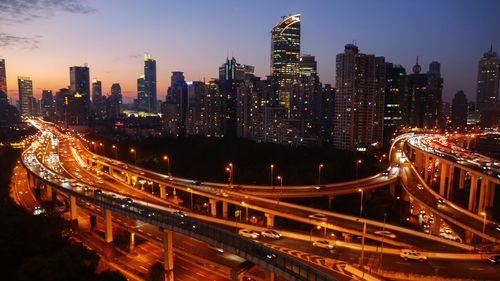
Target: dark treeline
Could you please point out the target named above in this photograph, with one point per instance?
(38, 247)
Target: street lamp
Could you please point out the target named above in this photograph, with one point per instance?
(319, 173)
(93, 145)
(484, 220)
(272, 172)
(229, 169)
(357, 167)
(311, 232)
(361, 202)
(102, 148)
(246, 210)
(280, 178)
(115, 149)
(191, 191)
(166, 158)
(382, 245)
(134, 152)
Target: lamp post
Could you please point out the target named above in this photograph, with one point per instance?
(280, 178)
(357, 167)
(102, 148)
(311, 232)
(484, 220)
(115, 149)
(360, 202)
(246, 210)
(134, 152)
(166, 158)
(229, 169)
(320, 166)
(93, 146)
(324, 229)
(382, 244)
(272, 177)
(191, 192)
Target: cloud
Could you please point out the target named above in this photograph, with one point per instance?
(9, 40)
(18, 11)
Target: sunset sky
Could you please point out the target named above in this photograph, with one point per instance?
(43, 38)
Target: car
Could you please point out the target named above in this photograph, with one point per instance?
(385, 233)
(215, 248)
(440, 201)
(494, 259)
(97, 192)
(385, 173)
(323, 244)
(129, 200)
(408, 254)
(179, 213)
(248, 233)
(318, 216)
(269, 233)
(420, 186)
(319, 187)
(494, 226)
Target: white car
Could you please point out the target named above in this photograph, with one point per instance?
(385, 233)
(318, 216)
(323, 244)
(420, 186)
(269, 233)
(248, 233)
(408, 254)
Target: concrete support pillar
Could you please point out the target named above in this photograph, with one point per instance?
(163, 192)
(72, 207)
(129, 179)
(93, 223)
(269, 220)
(213, 207)
(491, 195)
(472, 193)
(131, 242)
(108, 226)
(270, 275)
(451, 175)
(461, 179)
(482, 195)
(330, 199)
(168, 253)
(442, 178)
(392, 189)
(224, 209)
(48, 190)
(426, 166)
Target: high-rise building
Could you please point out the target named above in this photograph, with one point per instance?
(98, 100)
(488, 82)
(3, 77)
(285, 56)
(195, 94)
(395, 99)
(142, 101)
(148, 99)
(62, 103)
(47, 104)
(114, 102)
(359, 100)
(25, 86)
(325, 113)
(425, 97)
(175, 108)
(80, 89)
(459, 110)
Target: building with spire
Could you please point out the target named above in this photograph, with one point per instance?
(285, 56)
(146, 98)
(488, 82)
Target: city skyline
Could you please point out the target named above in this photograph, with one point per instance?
(30, 38)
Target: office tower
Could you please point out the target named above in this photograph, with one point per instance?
(80, 89)
(8, 113)
(3, 77)
(359, 100)
(459, 110)
(473, 115)
(148, 100)
(488, 82)
(326, 114)
(425, 97)
(62, 103)
(195, 94)
(98, 100)
(114, 102)
(213, 114)
(231, 77)
(142, 102)
(396, 95)
(285, 56)
(175, 108)
(25, 86)
(47, 104)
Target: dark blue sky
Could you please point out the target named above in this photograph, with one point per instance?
(196, 36)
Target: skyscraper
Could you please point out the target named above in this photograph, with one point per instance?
(142, 102)
(98, 104)
(459, 108)
(3, 77)
(285, 56)
(149, 97)
(359, 100)
(47, 104)
(114, 102)
(488, 82)
(395, 99)
(80, 89)
(25, 86)
(175, 107)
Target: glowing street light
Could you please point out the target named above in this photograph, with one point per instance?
(484, 220)
(115, 149)
(272, 178)
(166, 158)
(319, 173)
(361, 202)
(134, 152)
(229, 169)
(357, 167)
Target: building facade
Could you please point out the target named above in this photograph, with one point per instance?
(488, 83)
(25, 86)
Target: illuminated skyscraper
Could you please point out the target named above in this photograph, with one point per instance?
(359, 100)
(488, 82)
(80, 89)
(3, 77)
(147, 100)
(25, 95)
(98, 100)
(285, 56)
(47, 104)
